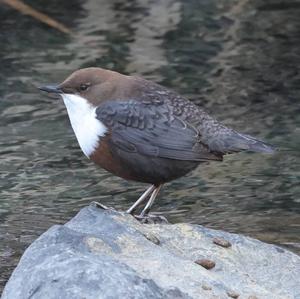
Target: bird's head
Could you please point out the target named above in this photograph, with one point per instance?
(92, 84)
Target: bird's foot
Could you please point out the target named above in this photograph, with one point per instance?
(102, 206)
(151, 219)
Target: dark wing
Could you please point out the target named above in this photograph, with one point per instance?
(152, 130)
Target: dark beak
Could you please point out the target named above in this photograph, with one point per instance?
(51, 88)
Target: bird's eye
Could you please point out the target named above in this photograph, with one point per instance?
(84, 86)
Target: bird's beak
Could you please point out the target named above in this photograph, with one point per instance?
(51, 88)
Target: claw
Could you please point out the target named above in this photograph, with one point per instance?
(102, 206)
(151, 219)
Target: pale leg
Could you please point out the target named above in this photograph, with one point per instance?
(141, 199)
(150, 202)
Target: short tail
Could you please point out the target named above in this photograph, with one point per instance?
(232, 142)
(252, 144)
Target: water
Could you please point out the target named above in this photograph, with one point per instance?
(238, 59)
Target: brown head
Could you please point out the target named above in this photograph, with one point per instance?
(94, 84)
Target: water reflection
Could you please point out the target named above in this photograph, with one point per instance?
(238, 59)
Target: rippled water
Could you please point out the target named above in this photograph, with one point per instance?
(238, 59)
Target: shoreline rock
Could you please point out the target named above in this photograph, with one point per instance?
(108, 254)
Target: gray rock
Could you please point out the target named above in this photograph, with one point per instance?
(106, 254)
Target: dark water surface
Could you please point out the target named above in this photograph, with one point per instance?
(238, 59)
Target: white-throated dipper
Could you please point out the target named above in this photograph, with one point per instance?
(141, 131)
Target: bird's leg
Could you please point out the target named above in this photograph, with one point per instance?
(141, 199)
(150, 202)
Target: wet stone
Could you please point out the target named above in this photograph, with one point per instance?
(108, 254)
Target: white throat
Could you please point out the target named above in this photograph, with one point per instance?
(87, 128)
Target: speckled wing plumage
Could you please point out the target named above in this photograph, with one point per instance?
(218, 138)
(151, 128)
(161, 123)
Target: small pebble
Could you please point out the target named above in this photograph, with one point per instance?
(207, 264)
(222, 242)
(233, 294)
(252, 297)
(152, 238)
(206, 287)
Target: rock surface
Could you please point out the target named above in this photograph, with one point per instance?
(106, 254)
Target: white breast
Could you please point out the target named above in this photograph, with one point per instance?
(87, 128)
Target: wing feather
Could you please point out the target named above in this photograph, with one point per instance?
(152, 130)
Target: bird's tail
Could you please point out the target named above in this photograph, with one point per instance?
(243, 142)
(234, 141)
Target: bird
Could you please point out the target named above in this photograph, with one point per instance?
(141, 131)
